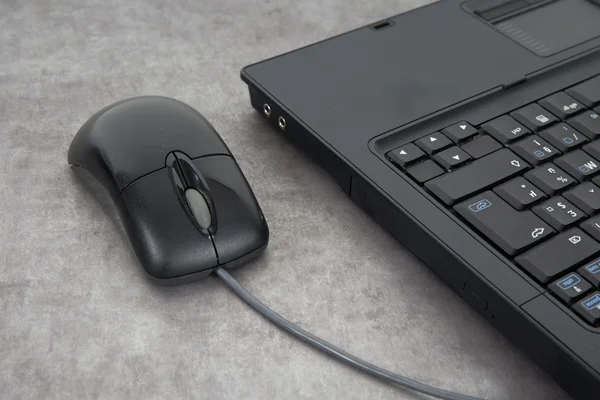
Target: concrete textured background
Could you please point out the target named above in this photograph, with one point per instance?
(77, 317)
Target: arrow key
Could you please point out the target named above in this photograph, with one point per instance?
(452, 157)
(460, 132)
(433, 143)
(406, 154)
(569, 288)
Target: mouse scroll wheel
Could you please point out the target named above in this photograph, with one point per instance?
(199, 207)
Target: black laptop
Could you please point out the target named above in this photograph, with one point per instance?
(470, 130)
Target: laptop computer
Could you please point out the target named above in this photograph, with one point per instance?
(470, 130)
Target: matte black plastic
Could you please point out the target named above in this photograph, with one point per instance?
(349, 100)
(164, 237)
(147, 152)
(131, 138)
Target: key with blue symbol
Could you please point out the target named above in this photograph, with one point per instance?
(563, 137)
(589, 308)
(535, 150)
(571, 287)
(591, 272)
(579, 164)
(511, 230)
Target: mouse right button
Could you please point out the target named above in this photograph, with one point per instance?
(162, 234)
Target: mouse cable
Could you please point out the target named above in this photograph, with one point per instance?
(332, 350)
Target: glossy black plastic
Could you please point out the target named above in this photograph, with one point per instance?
(241, 227)
(185, 175)
(146, 152)
(164, 237)
(131, 138)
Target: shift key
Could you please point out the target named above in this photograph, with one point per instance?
(511, 230)
(477, 176)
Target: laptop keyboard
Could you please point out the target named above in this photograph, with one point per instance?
(529, 183)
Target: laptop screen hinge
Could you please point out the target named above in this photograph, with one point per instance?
(514, 83)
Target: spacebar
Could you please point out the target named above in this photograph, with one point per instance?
(477, 176)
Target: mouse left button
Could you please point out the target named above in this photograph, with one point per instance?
(166, 241)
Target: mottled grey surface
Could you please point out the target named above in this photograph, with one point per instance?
(79, 320)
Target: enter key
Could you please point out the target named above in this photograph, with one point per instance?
(511, 230)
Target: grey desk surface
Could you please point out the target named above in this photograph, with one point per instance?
(77, 317)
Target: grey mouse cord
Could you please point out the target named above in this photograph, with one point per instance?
(332, 350)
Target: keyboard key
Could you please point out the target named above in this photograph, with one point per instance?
(511, 230)
(425, 171)
(587, 123)
(592, 226)
(433, 143)
(559, 213)
(406, 154)
(589, 308)
(561, 105)
(578, 164)
(535, 150)
(505, 129)
(477, 176)
(452, 157)
(534, 117)
(460, 132)
(519, 193)
(569, 288)
(591, 272)
(593, 149)
(554, 257)
(563, 137)
(585, 196)
(481, 146)
(550, 178)
(587, 92)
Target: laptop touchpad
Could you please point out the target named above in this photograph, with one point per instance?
(543, 27)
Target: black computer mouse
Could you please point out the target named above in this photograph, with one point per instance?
(185, 204)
